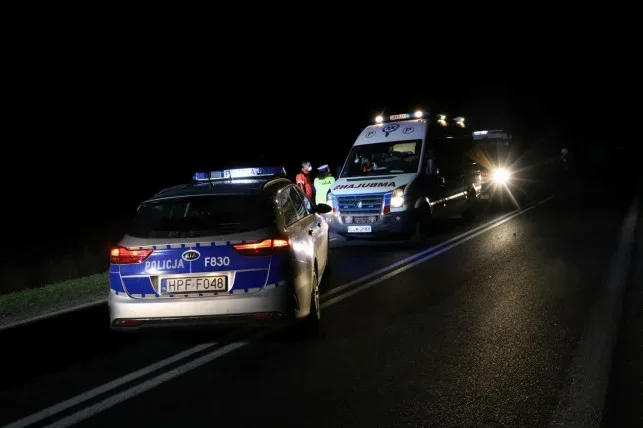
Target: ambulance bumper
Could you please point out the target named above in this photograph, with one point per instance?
(391, 223)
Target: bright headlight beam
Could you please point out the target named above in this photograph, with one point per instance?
(501, 175)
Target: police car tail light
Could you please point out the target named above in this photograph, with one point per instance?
(267, 247)
(124, 256)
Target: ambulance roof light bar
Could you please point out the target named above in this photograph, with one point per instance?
(418, 114)
(239, 173)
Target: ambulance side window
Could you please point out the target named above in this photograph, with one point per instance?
(448, 157)
(442, 158)
(453, 155)
(428, 161)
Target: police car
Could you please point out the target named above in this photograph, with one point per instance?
(240, 245)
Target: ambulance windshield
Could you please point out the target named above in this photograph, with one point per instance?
(395, 157)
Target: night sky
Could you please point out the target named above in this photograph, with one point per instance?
(100, 136)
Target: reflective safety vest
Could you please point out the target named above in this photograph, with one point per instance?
(322, 187)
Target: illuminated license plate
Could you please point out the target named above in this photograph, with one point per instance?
(359, 229)
(194, 284)
(400, 116)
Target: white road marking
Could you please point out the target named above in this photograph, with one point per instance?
(102, 301)
(413, 257)
(217, 353)
(64, 405)
(427, 257)
(144, 386)
(581, 403)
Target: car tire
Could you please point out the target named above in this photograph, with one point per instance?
(327, 268)
(470, 213)
(311, 323)
(416, 234)
(422, 225)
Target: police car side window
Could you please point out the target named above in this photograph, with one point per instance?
(307, 205)
(300, 207)
(288, 207)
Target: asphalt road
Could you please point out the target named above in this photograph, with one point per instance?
(506, 321)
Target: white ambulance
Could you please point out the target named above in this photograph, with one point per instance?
(402, 172)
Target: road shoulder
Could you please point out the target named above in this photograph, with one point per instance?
(625, 392)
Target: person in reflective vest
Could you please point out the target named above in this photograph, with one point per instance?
(304, 180)
(323, 183)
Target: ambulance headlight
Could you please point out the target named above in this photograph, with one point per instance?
(397, 198)
(501, 175)
(329, 199)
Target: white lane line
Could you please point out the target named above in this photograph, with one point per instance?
(582, 401)
(427, 257)
(330, 292)
(217, 353)
(144, 386)
(408, 259)
(50, 411)
(379, 272)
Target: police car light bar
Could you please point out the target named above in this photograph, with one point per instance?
(419, 114)
(246, 173)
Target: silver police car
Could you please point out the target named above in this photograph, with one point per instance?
(240, 245)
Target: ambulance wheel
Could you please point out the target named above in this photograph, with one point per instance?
(422, 224)
(470, 213)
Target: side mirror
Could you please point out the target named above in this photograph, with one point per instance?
(323, 209)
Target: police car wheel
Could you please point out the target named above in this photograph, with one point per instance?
(311, 322)
(327, 267)
(315, 306)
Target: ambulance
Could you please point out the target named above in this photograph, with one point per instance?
(404, 171)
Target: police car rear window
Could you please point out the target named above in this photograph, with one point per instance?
(202, 216)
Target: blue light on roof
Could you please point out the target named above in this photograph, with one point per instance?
(237, 173)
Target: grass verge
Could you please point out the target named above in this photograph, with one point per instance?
(25, 304)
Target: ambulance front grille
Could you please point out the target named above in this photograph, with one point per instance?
(363, 205)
